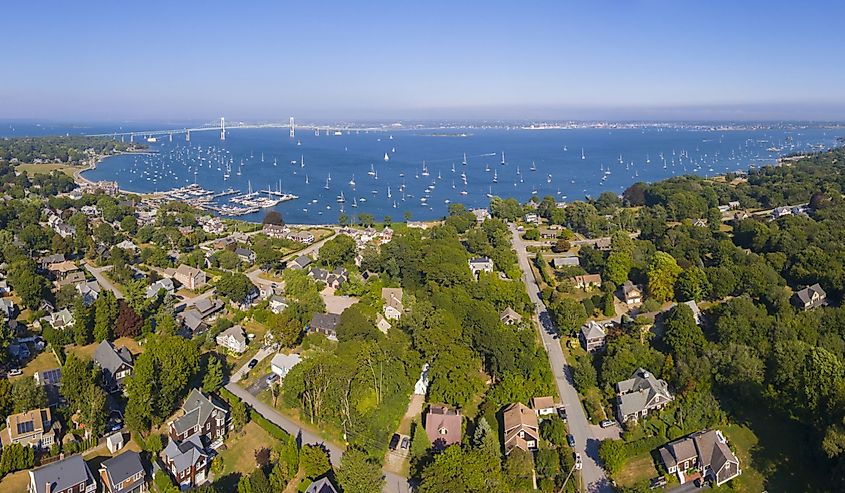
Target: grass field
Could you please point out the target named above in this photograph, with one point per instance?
(87, 351)
(639, 468)
(16, 482)
(44, 361)
(239, 457)
(47, 168)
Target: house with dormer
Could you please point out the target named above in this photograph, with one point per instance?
(202, 415)
(186, 461)
(521, 428)
(641, 395)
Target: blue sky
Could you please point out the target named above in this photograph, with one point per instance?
(433, 59)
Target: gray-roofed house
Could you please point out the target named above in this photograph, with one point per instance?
(325, 323)
(115, 363)
(69, 475)
(560, 262)
(201, 415)
(186, 461)
(592, 335)
(166, 284)
(631, 293)
(333, 279)
(277, 304)
(300, 263)
(246, 255)
(124, 473)
(7, 307)
(281, 363)
(233, 339)
(481, 264)
(706, 451)
(510, 317)
(640, 395)
(810, 297)
(322, 485)
(60, 319)
(89, 291)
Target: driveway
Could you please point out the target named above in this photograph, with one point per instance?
(586, 441)
(97, 272)
(260, 355)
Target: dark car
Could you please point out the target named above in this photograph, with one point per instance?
(394, 442)
(570, 440)
(252, 363)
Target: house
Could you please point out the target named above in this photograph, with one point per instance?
(631, 293)
(48, 377)
(165, 284)
(333, 279)
(592, 335)
(322, 485)
(194, 318)
(640, 395)
(7, 308)
(114, 442)
(18, 352)
(202, 416)
(779, 212)
(281, 364)
(382, 324)
(521, 428)
(71, 279)
(44, 262)
(68, 475)
(603, 244)
(706, 451)
(300, 263)
(35, 428)
(443, 426)
(734, 204)
(741, 215)
(245, 255)
(115, 363)
(303, 237)
(481, 215)
(278, 304)
(325, 323)
(696, 311)
(481, 264)
(89, 291)
(393, 307)
(587, 281)
(62, 268)
(128, 247)
(810, 297)
(509, 317)
(59, 320)
(213, 226)
(700, 223)
(544, 406)
(561, 262)
(186, 461)
(190, 277)
(277, 231)
(233, 339)
(532, 218)
(123, 474)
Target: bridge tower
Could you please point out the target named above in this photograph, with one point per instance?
(222, 128)
(292, 127)
(171, 136)
(131, 138)
(187, 135)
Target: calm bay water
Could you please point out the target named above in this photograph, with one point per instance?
(611, 161)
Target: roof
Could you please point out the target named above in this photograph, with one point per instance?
(285, 361)
(122, 467)
(207, 306)
(187, 270)
(322, 485)
(186, 453)
(165, 284)
(197, 409)
(544, 402)
(806, 295)
(244, 252)
(28, 422)
(592, 330)
(518, 417)
(110, 359)
(509, 314)
(564, 261)
(629, 288)
(63, 266)
(443, 425)
(640, 391)
(51, 377)
(61, 474)
(392, 297)
(235, 331)
(302, 261)
(325, 321)
(480, 260)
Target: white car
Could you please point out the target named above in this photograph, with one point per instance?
(14, 372)
(578, 463)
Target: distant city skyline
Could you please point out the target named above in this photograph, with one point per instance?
(641, 59)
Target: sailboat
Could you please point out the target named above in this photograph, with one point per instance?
(533, 166)
(340, 198)
(327, 183)
(388, 192)
(453, 167)
(424, 170)
(306, 179)
(464, 162)
(517, 170)
(372, 171)
(355, 202)
(301, 161)
(582, 154)
(386, 157)
(549, 179)
(490, 193)
(503, 158)
(299, 142)
(352, 181)
(495, 177)
(275, 162)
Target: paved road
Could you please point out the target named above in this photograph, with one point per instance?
(586, 442)
(97, 272)
(260, 355)
(393, 482)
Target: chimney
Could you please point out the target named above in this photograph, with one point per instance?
(48, 488)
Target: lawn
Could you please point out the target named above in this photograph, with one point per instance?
(32, 169)
(15, 482)
(239, 456)
(637, 469)
(44, 361)
(87, 351)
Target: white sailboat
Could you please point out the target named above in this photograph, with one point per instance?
(372, 171)
(490, 193)
(533, 166)
(495, 177)
(424, 170)
(386, 157)
(352, 181)
(464, 162)
(582, 154)
(503, 158)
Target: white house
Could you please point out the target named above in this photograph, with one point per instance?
(281, 364)
(233, 339)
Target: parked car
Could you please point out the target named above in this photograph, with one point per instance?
(252, 363)
(271, 378)
(14, 372)
(561, 412)
(578, 463)
(607, 423)
(394, 442)
(570, 440)
(658, 482)
(406, 443)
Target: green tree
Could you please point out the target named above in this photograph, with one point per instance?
(662, 273)
(613, 454)
(359, 474)
(213, 377)
(314, 461)
(457, 469)
(682, 334)
(455, 377)
(27, 395)
(692, 284)
(618, 266)
(235, 286)
(553, 430)
(338, 251)
(485, 438)
(105, 316)
(82, 324)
